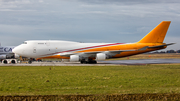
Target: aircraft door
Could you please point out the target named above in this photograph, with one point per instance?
(34, 50)
(47, 43)
(56, 49)
(48, 46)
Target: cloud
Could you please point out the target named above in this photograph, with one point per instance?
(170, 39)
(129, 2)
(41, 1)
(168, 10)
(18, 5)
(85, 20)
(12, 3)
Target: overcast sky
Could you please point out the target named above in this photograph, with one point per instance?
(110, 21)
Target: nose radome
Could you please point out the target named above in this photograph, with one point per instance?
(16, 50)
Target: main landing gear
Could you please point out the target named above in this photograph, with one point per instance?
(90, 61)
(30, 61)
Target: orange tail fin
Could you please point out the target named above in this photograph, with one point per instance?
(158, 34)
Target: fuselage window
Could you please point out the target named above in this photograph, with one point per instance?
(41, 43)
(24, 42)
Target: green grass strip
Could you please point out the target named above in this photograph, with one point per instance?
(86, 80)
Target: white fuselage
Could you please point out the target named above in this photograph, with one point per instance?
(44, 48)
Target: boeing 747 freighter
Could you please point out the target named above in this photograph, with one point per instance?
(92, 52)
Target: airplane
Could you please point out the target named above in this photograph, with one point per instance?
(93, 52)
(6, 53)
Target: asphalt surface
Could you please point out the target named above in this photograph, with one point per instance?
(54, 63)
(143, 61)
(100, 63)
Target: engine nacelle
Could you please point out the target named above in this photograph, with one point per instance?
(8, 61)
(5, 61)
(3, 56)
(101, 56)
(74, 58)
(13, 61)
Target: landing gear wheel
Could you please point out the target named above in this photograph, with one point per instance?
(83, 62)
(88, 62)
(92, 62)
(95, 62)
(29, 61)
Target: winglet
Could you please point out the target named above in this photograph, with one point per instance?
(158, 34)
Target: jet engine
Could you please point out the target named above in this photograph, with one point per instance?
(7, 61)
(101, 56)
(74, 58)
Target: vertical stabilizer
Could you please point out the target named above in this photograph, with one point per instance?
(158, 34)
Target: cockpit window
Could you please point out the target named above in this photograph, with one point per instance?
(24, 42)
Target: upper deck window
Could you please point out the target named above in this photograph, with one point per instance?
(24, 42)
(41, 43)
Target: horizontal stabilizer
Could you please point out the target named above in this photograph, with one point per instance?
(161, 45)
(147, 47)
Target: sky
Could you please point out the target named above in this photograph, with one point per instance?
(109, 21)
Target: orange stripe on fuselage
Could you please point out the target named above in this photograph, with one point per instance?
(131, 46)
(121, 47)
(54, 57)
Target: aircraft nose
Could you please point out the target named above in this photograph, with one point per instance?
(16, 50)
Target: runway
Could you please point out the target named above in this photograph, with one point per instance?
(143, 61)
(100, 63)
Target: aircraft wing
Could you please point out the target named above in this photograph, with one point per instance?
(111, 51)
(114, 52)
(96, 52)
(159, 46)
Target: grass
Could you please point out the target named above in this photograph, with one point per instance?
(74, 80)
